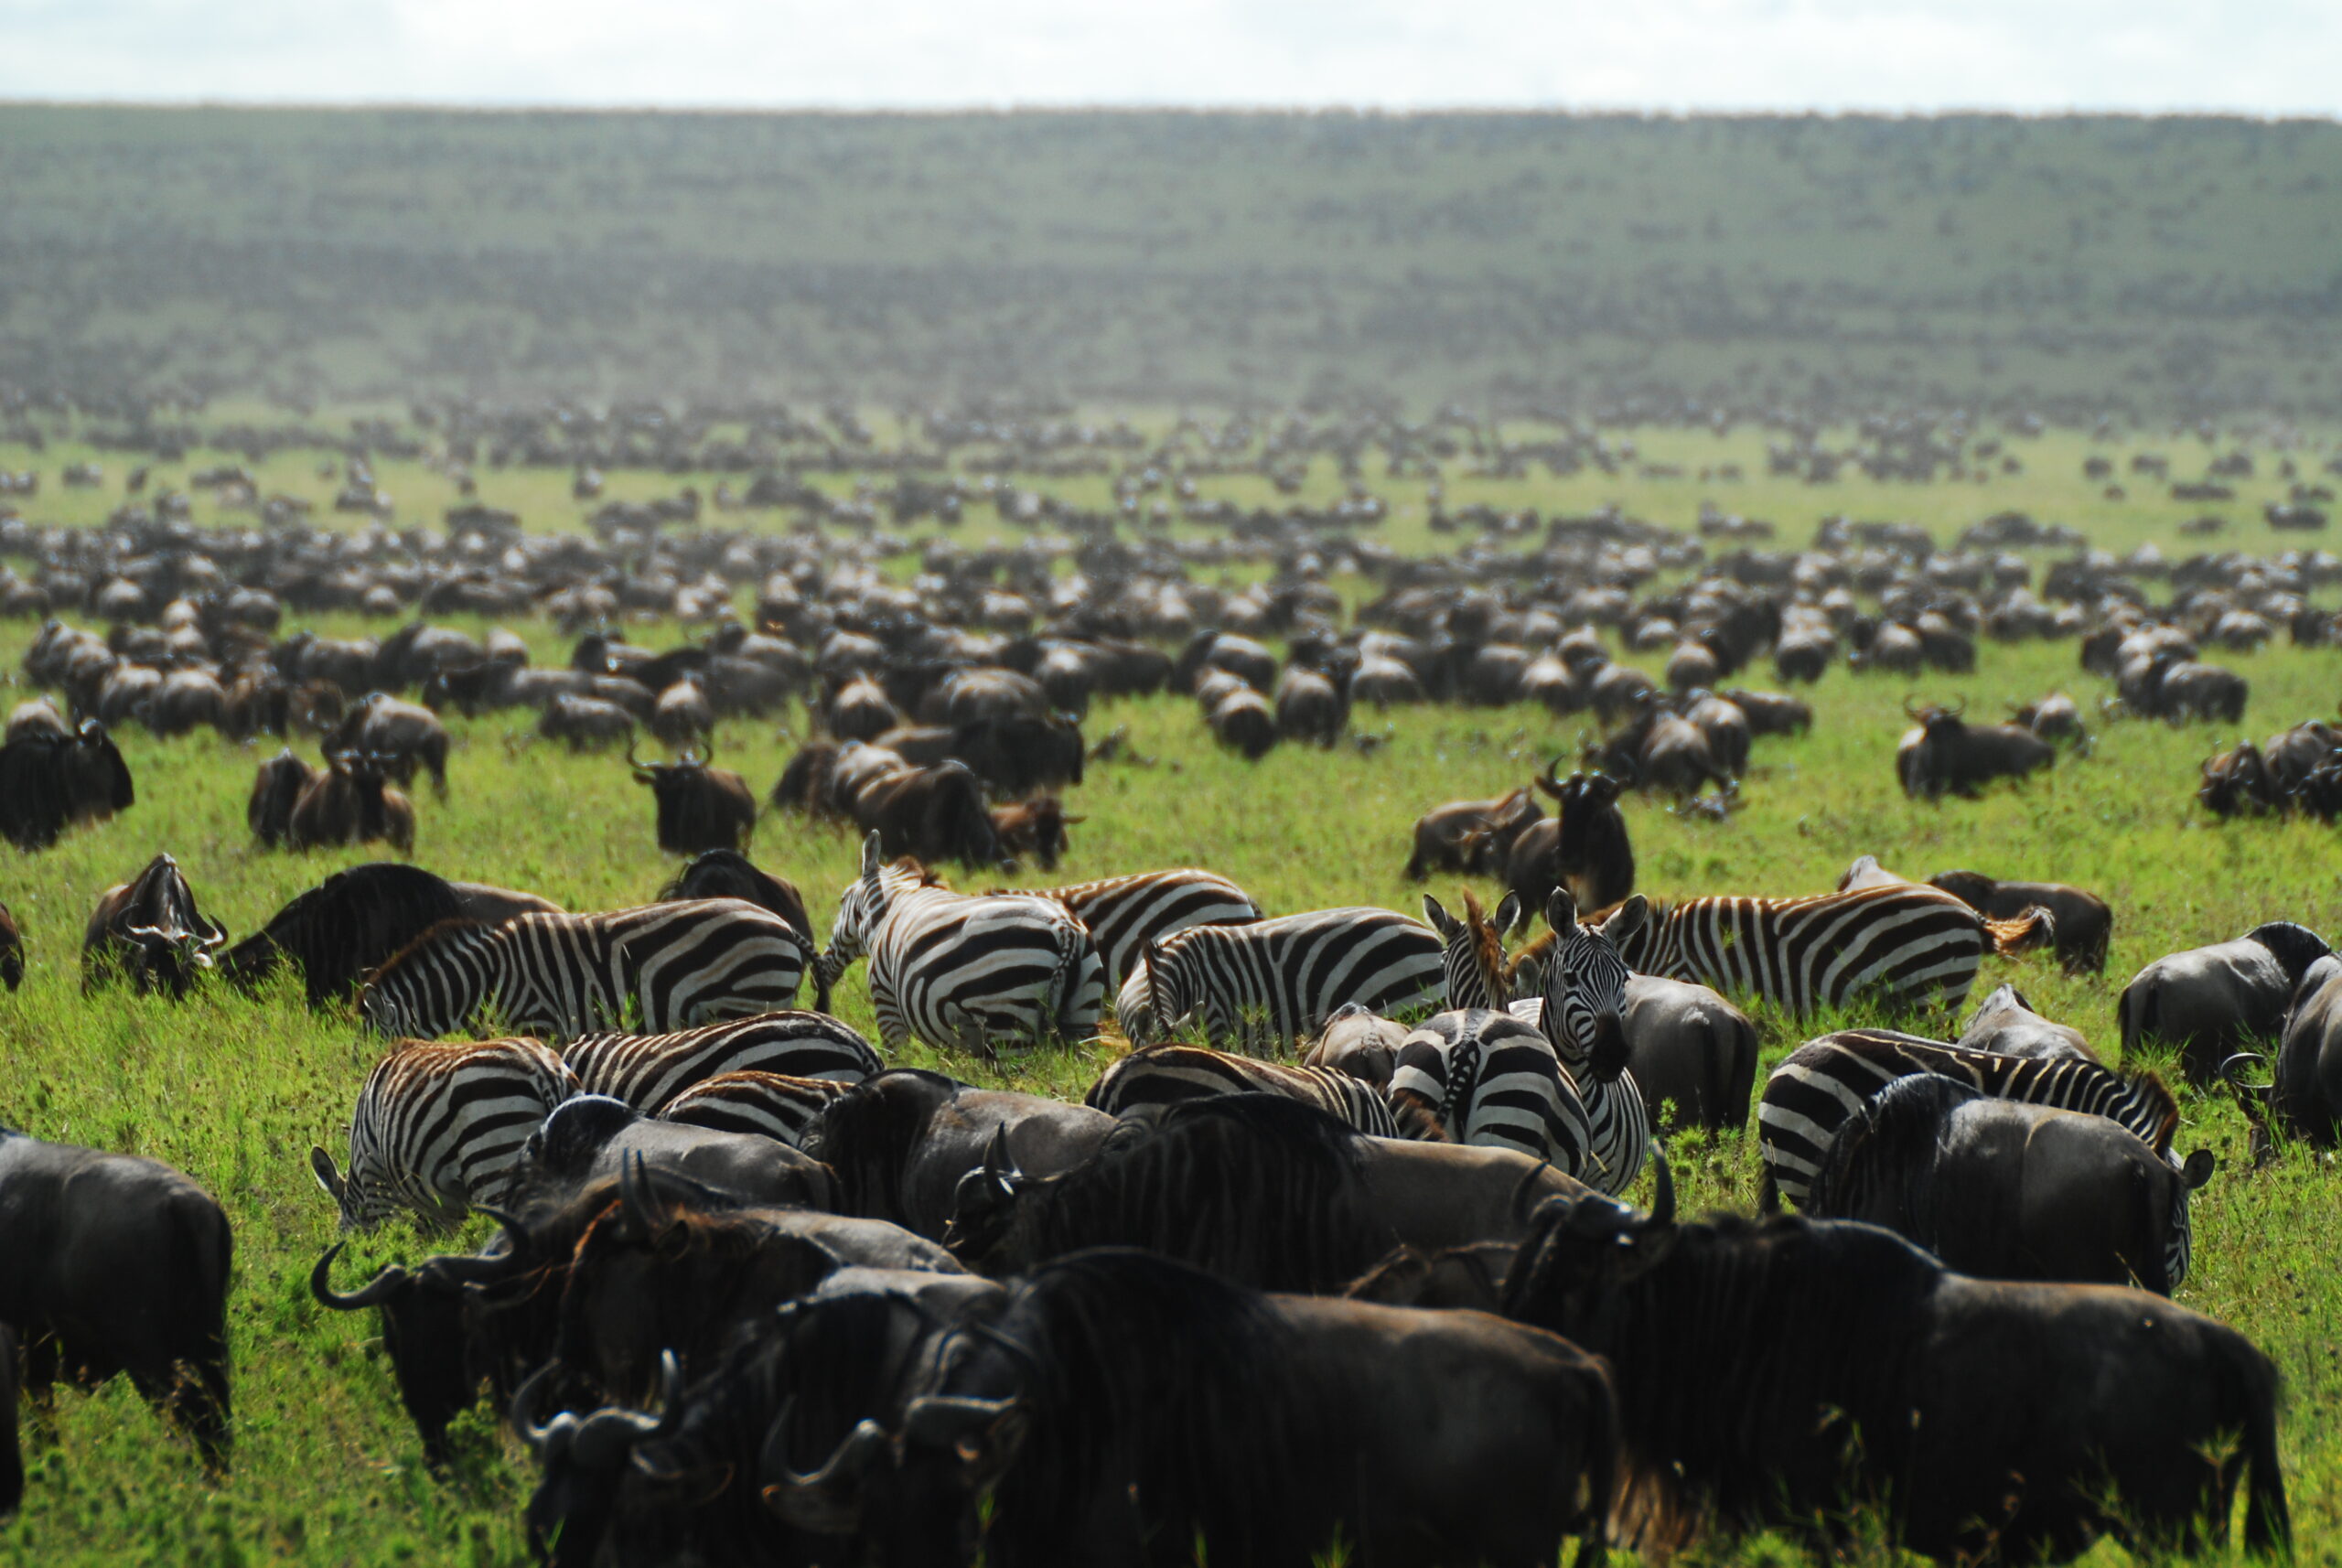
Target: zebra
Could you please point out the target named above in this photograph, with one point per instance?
(981, 971)
(1472, 951)
(1167, 1075)
(1825, 1081)
(1124, 913)
(646, 1071)
(1585, 989)
(1275, 982)
(657, 968)
(769, 1104)
(438, 1129)
(1908, 946)
(1480, 1076)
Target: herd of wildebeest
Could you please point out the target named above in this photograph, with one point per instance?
(1337, 1257)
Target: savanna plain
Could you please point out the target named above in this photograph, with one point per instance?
(234, 1089)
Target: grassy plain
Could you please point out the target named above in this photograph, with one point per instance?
(234, 1091)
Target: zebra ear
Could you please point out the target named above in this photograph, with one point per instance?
(1441, 920)
(2197, 1170)
(1560, 909)
(1626, 920)
(1510, 915)
(321, 1166)
(871, 857)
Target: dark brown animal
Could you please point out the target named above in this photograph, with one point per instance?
(699, 807)
(352, 802)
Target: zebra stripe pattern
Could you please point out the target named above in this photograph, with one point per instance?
(1906, 946)
(768, 1104)
(1585, 991)
(658, 968)
(1472, 951)
(439, 1128)
(1267, 985)
(1488, 1077)
(987, 973)
(1125, 913)
(1168, 1075)
(648, 1072)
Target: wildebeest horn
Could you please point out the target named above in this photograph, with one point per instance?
(643, 1211)
(1909, 711)
(1959, 705)
(632, 761)
(540, 1439)
(706, 749)
(373, 1292)
(605, 1435)
(823, 1501)
(997, 1164)
(1663, 1200)
(945, 1418)
(1548, 782)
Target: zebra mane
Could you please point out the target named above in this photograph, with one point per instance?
(1488, 950)
(2150, 1088)
(445, 931)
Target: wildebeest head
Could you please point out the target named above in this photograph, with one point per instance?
(700, 807)
(2238, 783)
(150, 931)
(584, 1458)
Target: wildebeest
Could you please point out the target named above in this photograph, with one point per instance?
(590, 1137)
(2085, 925)
(2056, 717)
(1947, 754)
(149, 932)
(2306, 1096)
(728, 874)
(1692, 1054)
(1034, 830)
(277, 788)
(1310, 707)
(406, 735)
(1662, 750)
(48, 782)
(700, 807)
(2239, 783)
(901, 1142)
(585, 723)
(117, 1265)
(2012, 1419)
(1017, 754)
(1242, 722)
(2004, 1189)
(12, 1466)
(12, 950)
(2005, 1024)
(351, 802)
(858, 710)
(336, 932)
(932, 814)
(1771, 713)
(2212, 1001)
(1473, 837)
(1260, 1430)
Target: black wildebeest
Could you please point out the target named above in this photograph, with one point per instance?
(2085, 923)
(277, 786)
(2007, 1189)
(351, 802)
(12, 950)
(1583, 847)
(405, 735)
(1034, 830)
(336, 932)
(1994, 1418)
(2005, 1024)
(586, 724)
(1474, 837)
(728, 874)
(1260, 1430)
(2056, 717)
(700, 807)
(48, 782)
(933, 814)
(589, 1137)
(2306, 1096)
(1242, 722)
(149, 932)
(117, 1264)
(1947, 754)
(2213, 1002)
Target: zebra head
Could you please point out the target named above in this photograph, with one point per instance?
(1585, 985)
(1474, 950)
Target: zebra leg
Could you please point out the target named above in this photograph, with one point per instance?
(970, 1030)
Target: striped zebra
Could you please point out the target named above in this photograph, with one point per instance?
(658, 968)
(1267, 985)
(1825, 1081)
(1585, 989)
(1478, 1076)
(1472, 951)
(1125, 913)
(981, 971)
(646, 1071)
(769, 1104)
(1167, 1075)
(1907, 946)
(438, 1129)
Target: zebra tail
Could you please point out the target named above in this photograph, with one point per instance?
(2032, 932)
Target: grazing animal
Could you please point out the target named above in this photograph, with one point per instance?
(2306, 1096)
(591, 1137)
(278, 785)
(1147, 1079)
(1035, 829)
(2005, 1024)
(117, 1265)
(767, 1104)
(700, 807)
(728, 874)
(983, 972)
(1947, 754)
(658, 968)
(2056, 717)
(1123, 914)
(1584, 993)
(1486, 1078)
(2212, 1001)
(1268, 985)
(648, 1072)
(438, 1129)
(12, 1464)
(2008, 1420)
(1471, 836)
(1243, 722)
(1907, 946)
(2005, 1189)
(931, 814)
(1310, 707)
(12, 950)
(49, 782)
(1592, 856)
(2085, 926)
(149, 932)
(405, 735)
(355, 921)
(351, 802)
(586, 724)
(1211, 1421)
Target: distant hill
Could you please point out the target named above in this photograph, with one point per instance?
(2163, 266)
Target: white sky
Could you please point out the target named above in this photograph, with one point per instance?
(2263, 56)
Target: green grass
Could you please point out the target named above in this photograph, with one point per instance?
(234, 1091)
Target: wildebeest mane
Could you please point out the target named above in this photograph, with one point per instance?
(1759, 1363)
(1207, 1416)
(867, 1133)
(345, 928)
(1257, 1188)
(728, 874)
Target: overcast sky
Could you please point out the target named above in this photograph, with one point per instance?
(2269, 57)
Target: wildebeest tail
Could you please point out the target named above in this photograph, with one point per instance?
(2268, 1522)
(205, 1249)
(2035, 930)
(2136, 1009)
